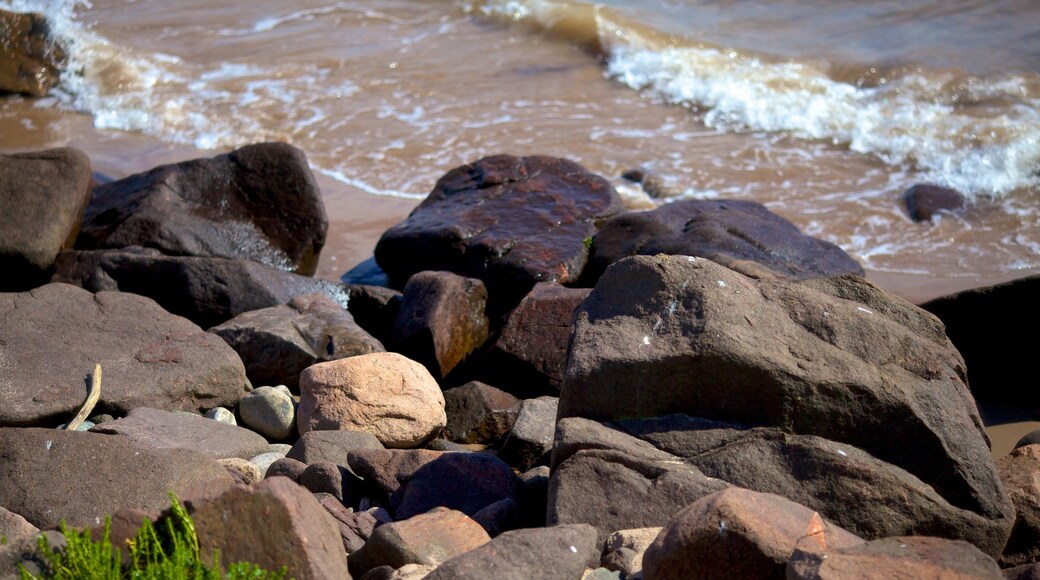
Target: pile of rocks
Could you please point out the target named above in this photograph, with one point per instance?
(547, 387)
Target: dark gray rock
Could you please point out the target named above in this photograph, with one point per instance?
(42, 196)
(277, 343)
(467, 482)
(286, 467)
(896, 557)
(56, 334)
(259, 202)
(739, 234)
(530, 440)
(374, 308)
(332, 446)
(924, 201)
(207, 291)
(837, 358)
(47, 476)
(159, 429)
(510, 221)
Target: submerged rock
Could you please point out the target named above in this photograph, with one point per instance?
(924, 201)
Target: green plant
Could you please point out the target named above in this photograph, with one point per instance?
(168, 551)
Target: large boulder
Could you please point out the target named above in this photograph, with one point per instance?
(441, 320)
(277, 343)
(272, 523)
(30, 59)
(206, 291)
(740, 234)
(42, 196)
(860, 493)
(48, 476)
(383, 393)
(510, 221)
(258, 203)
(837, 358)
(977, 321)
(53, 337)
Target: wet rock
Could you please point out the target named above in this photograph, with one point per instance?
(425, 539)
(924, 201)
(708, 342)
(585, 489)
(653, 184)
(479, 413)
(31, 60)
(1020, 472)
(259, 203)
(834, 479)
(148, 356)
(272, 523)
(375, 308)
(529, 356)
(269, 412)
(510, 221)
(741, 235)
(168, 430)
(441, 320)
(384, 394)
(277, 343)
(207, 291)
(736, 533)
(331, 446)
(99, 475)
(42, 196)
(905, 557)
(624, 549)
(530, 440)
(561, 552)
(977, 321)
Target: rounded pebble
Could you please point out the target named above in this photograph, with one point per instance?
(269, 412)
(264, 461)
(221, 414)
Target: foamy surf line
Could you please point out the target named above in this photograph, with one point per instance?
(907, 121)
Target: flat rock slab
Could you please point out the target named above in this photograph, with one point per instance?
(159, 429)
(739, 234)
(56, 334)
(510, 221)
(895, 557)
(277, 343)
(559, 552)
(42, 196)
(837, 358)
(48, 476)
(206, 291)
(272, 523)
(259, 202)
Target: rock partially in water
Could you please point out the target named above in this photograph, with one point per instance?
(31, 59)
(925, 201)
(259, 202)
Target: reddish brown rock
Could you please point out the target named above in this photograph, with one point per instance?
(837, 358)
(42, 196)
(355, 527)
(896, 557)
(31, 60)
(510, 221)
(385, 472)
(206, 291)
(924, 201)
(441, 320)
(467, 482)
(329, 478)
(159, 429)
(277, 343)
(529, 356)
(15, 528)
(286, 467)
(559, 552)
(375, 309)
(479, 413)
(530, 439)
(273, 523)
(48, 475)
(737, 533)
(332, 446)
(426, 539)
(1020, 472)
(148, 356)
(259, 203)
(739, 234)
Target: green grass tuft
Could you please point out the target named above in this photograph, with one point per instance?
(167, 551)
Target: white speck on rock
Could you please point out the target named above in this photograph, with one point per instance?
(722, 527)
(721, 283)
(861, 309)
(573, 549)
(646, 339)
(842, 453)
(48, 444)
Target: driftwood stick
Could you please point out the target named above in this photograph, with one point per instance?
(92, 398)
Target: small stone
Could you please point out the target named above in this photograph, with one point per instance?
(269, 412)
(286, 467)
(264, 461)
(531, 438)
(222, 415)
(924, 201)
(243, 470)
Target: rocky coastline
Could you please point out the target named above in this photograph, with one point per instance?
(543, 384)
